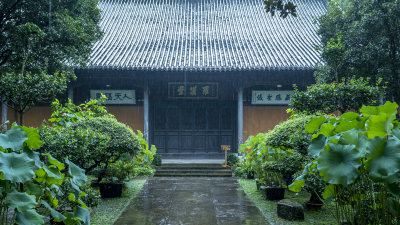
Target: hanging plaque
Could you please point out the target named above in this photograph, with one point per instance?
(121, 97)
(271, 97)
(192, 90)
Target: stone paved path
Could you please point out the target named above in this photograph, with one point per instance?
(202, 201)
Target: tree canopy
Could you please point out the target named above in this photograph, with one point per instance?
(41, 41)
(49, 35)
(361, 38)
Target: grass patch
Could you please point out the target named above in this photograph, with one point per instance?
(110, 209)
(268, 208)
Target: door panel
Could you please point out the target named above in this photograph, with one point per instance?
(192, 126)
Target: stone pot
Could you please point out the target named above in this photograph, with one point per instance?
(274, 193)
(314, 203)
(111, 190)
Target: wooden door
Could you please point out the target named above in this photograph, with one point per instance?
(192, 127)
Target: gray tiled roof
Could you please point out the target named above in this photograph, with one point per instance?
(215, 35)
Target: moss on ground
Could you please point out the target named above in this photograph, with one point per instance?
(110, 209)
(268, 208)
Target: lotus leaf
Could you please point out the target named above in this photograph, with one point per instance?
(78, 174)
(82, 214)
(13, 139)
(34, 189)
(16, 167)
(34, 156)
(317, 145)
(326, 129)
(339, 164)
(388, 108)
(33, 141)
(379, 125)
(58, 216)
(384, 157)
(20, 201)
(354, 137)
(29, 217)
(314, 124)
(60, 166)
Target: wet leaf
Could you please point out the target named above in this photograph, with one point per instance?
(339, 164)
(13, 139)
(16, 167)
(384, 157)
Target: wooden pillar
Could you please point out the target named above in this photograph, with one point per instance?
(4, 110)
(70, 93)
(146, 112)
(240, 116)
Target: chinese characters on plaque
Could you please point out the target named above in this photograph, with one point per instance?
(192, 90)
(271, 97)
(115, 96)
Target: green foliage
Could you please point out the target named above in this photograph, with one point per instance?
(93, 139)
(30, 182)
(346, 96)
(249, 166)
(284, 9)
(120, 170)
(240, 172)
(358, 156)
(286, 165)
(367, 37)
(21, 91)
(157, 161)
(65, 115)
(232, 159)
(38, 34)
(145, 155)
(143, 171)
(277, 155)
(85, 147)
(290, 134)
(121, 141)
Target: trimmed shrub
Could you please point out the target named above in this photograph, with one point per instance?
(290, 134)
(287, 165)
(232, 159)
(157, 161)
(122, 139)
(240, 172)
(143, 172)
(84, 147)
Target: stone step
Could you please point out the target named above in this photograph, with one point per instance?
(192, 175)
(190, 166)
(198, 170)
(194, 171)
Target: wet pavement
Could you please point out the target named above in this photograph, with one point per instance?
(202, 201)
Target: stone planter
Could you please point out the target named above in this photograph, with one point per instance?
(110, 190)
(314, 203)
(290, 210)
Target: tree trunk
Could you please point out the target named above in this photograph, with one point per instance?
(15, 116)
(21, 118)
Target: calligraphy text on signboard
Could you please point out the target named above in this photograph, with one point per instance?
(192, 90)
(115, 96)
(271, 97)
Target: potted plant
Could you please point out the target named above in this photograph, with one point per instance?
(315, 185)
(115, 175)
(273, 188)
